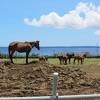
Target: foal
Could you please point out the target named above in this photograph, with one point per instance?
(43, 58)
(63, 59)
(79, 58)
(70, 56)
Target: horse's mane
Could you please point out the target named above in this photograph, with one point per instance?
(26, 42)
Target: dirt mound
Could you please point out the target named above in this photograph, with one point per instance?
(35, 79)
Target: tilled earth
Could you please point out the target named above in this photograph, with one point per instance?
(35, 79)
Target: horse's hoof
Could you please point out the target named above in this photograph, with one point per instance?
(26, 63)
(12, 62)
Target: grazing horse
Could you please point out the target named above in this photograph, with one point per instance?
(63, 59)
(66, 57)
(79, 58)
(22, 47)
(43, 58)
(60, 57)
(70, 55)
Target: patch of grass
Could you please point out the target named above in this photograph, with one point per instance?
(93, 61)
(23, 60)
(55, 61)
(87, 61)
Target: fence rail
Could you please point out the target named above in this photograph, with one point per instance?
(55, 95)
(68, 97)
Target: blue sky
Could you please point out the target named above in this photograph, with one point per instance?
(52, 22)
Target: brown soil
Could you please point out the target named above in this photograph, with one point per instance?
(35, 79)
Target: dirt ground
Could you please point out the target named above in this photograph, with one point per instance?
(35, 79)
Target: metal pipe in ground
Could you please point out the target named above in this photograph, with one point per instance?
(54, 86)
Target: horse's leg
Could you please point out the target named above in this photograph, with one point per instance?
(78, 60)
(11, 55)
(27, 53)
(63, 61)
(66, 61)
(82, 60)
(69, 60)
(9, 52)
(60, 61)
(74, 60)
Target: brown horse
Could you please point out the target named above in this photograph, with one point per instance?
(70, 56)
(22, 47)
(60, 57)
(79, 58)
(65, 57)
(43, 58)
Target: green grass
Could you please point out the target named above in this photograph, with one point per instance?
(88, 61)
(93, 61)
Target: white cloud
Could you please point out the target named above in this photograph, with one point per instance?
(97, 32)
(83, 16)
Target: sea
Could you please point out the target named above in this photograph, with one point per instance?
(50, 51)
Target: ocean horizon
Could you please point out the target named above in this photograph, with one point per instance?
(51, 50)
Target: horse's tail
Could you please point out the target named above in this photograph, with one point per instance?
(9, 49)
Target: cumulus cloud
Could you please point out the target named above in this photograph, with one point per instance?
(85, 15)
(97, 32)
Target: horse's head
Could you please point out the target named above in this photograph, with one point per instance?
(85, 55)
(70, 55)
(36, 44)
